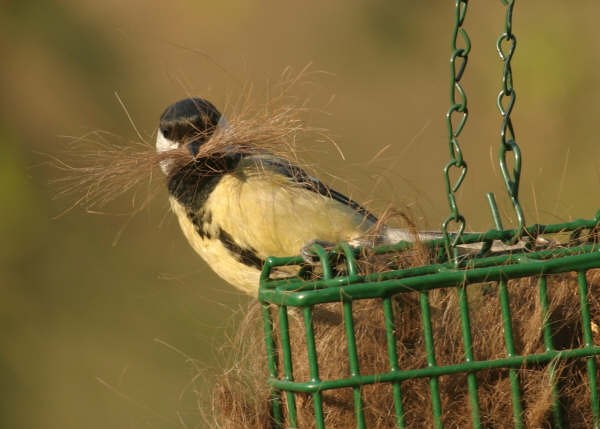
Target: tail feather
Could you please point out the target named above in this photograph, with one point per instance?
(395, 235)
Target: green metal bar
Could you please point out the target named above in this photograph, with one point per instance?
(510, 349)
(287, 364)
(430, 350)
(354, 368)
(434, 281)
(350, 260)
(588, 340)
(388, 314)
(487, 245)
(272, 364)
(494, 262)
(313, 366)
(506, 258)
(546, 330)
(324, 259)
(548, 343)
(491, 261)
(494, 209)
(492, 234)
(468, 345)
(437, 371)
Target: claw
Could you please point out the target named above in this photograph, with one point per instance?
(307, 254)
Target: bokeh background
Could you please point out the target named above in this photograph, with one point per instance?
(99, 311)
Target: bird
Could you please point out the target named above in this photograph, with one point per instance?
(237, 208)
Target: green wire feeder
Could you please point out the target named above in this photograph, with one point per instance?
(304, 294)
(450, 272)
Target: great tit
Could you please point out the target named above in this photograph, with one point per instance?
(236, 208)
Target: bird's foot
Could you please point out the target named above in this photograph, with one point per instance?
(308, 255)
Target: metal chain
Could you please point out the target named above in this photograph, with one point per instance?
(456, 108)
(506, 102)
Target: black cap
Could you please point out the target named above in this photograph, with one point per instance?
(189, 119)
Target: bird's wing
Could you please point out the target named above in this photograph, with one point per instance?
(273, 208)
(311, 183)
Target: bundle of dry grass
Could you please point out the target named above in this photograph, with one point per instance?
(241, 399)
(100, 167)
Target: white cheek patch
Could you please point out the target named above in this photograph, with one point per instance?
(165, 145)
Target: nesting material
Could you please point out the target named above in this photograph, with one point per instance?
(240, 398)
(99, 167)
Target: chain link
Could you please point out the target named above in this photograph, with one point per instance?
(458, 113)
(506, 44)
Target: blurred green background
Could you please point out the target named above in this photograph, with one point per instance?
(80, 316)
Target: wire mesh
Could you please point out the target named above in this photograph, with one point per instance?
(349, 285)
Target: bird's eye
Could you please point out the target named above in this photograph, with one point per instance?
(166, 130)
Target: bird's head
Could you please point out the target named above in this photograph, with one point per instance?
(189, 122)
